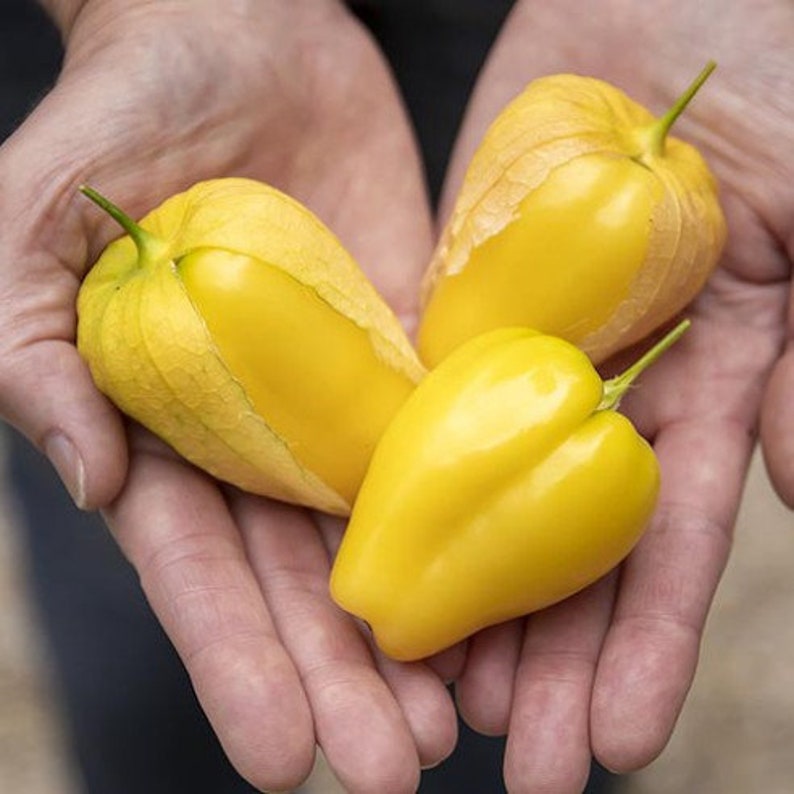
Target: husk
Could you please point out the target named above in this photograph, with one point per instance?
(553, 121)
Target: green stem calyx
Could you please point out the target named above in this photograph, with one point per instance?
(654, 137)
(150, 248)
(615, 388)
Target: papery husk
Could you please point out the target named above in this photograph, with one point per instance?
(555, 120)
(150, 351)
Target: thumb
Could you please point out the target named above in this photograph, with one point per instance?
(777, 439)
(47, 393)
(46, 390)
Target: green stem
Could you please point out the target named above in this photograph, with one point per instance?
(149, 247)
(615, 388)
(656, 134)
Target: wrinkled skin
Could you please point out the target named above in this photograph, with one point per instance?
(149, 103)
(608, 670)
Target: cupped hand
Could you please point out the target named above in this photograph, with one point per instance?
(152, 98)
(606, 672)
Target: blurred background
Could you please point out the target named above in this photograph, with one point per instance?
(734, 736)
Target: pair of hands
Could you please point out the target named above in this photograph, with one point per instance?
(155, 96)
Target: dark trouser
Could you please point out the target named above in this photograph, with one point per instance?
(134, 723)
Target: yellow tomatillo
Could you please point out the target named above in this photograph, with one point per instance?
(233, 324)
(505, 483)
(579, 216)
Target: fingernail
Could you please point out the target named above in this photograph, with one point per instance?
(63, 455)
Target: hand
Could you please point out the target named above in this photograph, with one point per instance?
(153, 97)
(606, 672)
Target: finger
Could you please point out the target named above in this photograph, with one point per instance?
(650, 653)
(174, 526)
(419, 689)
(358, 723)
(426, 706)
(449, 663)
(46, 390)
(548, 744)
(484, 689)
(777, 421)
(47, 393)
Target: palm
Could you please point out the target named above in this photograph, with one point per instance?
(301, 100)
(608, 670)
